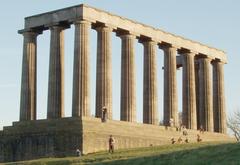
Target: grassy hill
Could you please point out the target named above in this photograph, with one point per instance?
(192, 154)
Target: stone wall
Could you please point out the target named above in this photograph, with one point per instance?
(42, 138)
(132, 135)
(61, 137)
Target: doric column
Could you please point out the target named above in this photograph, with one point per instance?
(29, 77)
(205, 94)
(219, 98)
(150, 114)
(128, 96)
(189, 116)
(170, 86)
(56, 74)
(196, 68)
(81, 83)
(104, 72)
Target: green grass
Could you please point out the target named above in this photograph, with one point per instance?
(192, 154)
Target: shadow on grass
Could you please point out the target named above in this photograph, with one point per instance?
(228, 154)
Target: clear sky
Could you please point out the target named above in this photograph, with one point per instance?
(215, 23)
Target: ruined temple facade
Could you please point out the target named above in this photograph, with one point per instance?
(203, 97)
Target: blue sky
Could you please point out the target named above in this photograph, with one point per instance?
(215, 23)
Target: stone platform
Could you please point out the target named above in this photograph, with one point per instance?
(61, 137)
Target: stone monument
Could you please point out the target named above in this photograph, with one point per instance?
(203, 95)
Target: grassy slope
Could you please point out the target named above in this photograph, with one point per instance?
(198, 153)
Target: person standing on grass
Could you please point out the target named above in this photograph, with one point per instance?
(111, 142)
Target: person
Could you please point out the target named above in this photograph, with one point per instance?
(104, 114)
(78, 152)
(180, 140)
(173, 140)
(201, 130)
(171, 122)
(111, 142)
(186, 140)
(198, 138)
(184, 131)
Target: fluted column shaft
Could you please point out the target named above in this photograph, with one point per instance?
(128, 96)
(170, 86)
(189, 116)
(104, 72)
(56, 74)
(150, 114)
(29, 71)
(205, 95)
(196, 68)
(219, 98)
(81, 83)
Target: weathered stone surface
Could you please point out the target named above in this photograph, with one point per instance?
(150, 109)
(205, 94)
(81, 74)
(189, 116)
(170, 86)
(41, 138)
(29, 77)
(128, 95)
(219, 98)
(95, 15)
(196, 68)
(104, 71)
(56, 74)
(60, 137)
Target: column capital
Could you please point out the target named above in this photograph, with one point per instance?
(121, 33)
(57, 25)
(189, 54)
(205, 58)
(148, 42)
(166, 46)
(85, 22)
(184, 51)
(218, 61)
(144, 39)
(127, 36)
(29, 32)
(104, 28)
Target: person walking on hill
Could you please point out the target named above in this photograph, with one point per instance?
(111, 142)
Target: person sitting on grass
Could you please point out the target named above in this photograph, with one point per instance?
(173, 140)
(180, 140)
